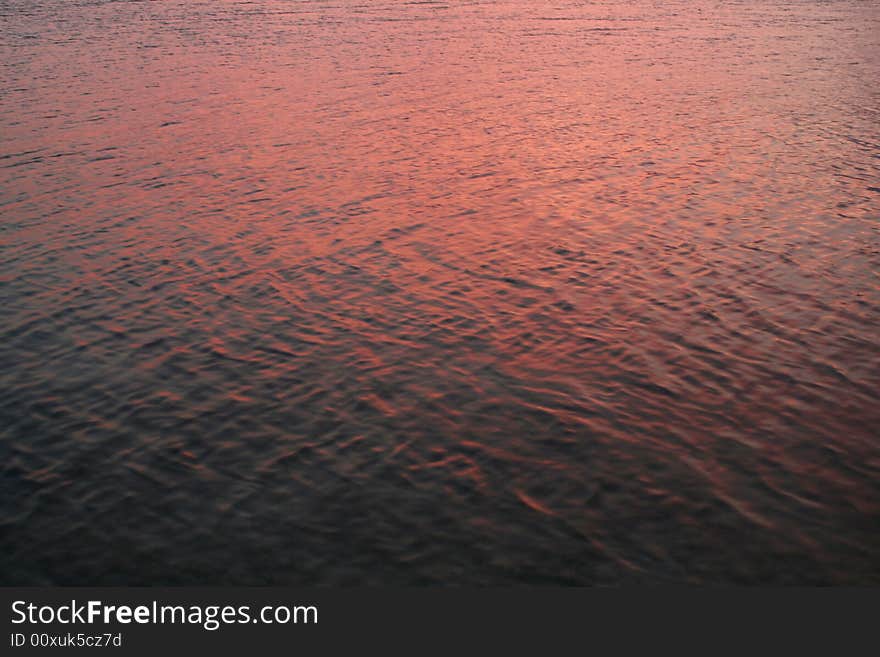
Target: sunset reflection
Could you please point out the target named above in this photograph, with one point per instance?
(486, 292)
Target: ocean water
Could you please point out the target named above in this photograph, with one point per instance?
(437, 293)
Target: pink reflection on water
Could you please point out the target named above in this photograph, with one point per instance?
(609, 267)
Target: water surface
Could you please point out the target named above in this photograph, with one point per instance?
(483, 292)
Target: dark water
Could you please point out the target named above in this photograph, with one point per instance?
(487, 292)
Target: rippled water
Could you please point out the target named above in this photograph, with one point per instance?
(487, 292)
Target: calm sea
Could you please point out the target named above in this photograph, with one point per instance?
(467, 292)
